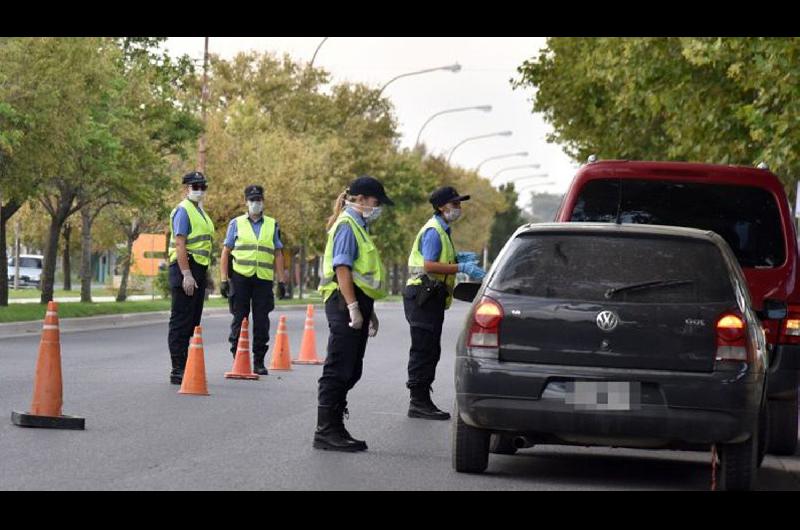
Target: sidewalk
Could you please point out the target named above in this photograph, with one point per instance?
(132, 298)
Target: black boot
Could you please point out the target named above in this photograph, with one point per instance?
(176, 375)
(329, 435)
(341, 413)
(258, 365)
(422, 407)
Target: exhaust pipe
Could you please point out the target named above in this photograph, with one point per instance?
(521, 442)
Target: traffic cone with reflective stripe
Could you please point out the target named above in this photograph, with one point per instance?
(308, 347)
(281, 358)
(47, 387)
(194, 376)
(242, 367)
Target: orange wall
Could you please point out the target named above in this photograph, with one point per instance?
(149, 243)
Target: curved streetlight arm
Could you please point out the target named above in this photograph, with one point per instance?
(311, 64)
(486, 108)
(523, 153)
(462, 142)
(454, 68)
(534, 166)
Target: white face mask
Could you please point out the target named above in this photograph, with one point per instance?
(196, 195)
(369, 213)
(452, 215)
(255, 207)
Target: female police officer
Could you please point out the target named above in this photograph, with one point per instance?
(352, 278)
(433, 264)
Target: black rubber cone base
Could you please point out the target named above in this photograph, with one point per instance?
(23, 419)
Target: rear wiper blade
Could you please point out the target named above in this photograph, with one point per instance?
(646, 285)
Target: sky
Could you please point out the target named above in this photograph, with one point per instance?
(488, 63)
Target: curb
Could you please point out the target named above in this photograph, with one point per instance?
(29, 328)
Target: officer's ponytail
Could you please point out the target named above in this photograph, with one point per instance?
(338, 206)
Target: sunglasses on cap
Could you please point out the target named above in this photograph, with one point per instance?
(200, 187)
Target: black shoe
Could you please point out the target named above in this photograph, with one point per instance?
(422, 407)
(329, 436)
(176, 376)
(259, 368)
(341, 413)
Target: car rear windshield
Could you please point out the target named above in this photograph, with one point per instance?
(746, 217)
(586, 266)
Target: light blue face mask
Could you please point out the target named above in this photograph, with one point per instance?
(374, 214)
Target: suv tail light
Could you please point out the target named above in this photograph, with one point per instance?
(732, 339)
(483, 339)
(790, 328)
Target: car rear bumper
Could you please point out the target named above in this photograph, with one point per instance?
(680, 408)
(784, 372)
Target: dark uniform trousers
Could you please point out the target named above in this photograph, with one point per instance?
(426, 336)
(186, 311)
(346, 348)
(251, 293)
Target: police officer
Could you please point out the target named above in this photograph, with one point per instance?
(191, 231)
(253, 240)
(353, 277)
(433, 264)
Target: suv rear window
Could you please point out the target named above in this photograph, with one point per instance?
(746, 217)
(29, 263)
(585, 266)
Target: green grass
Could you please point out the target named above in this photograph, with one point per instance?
(28, 312)
(36, 293)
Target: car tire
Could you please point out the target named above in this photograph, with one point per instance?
(501, 444)
(783, 425)
(470, 446)
(738, 464)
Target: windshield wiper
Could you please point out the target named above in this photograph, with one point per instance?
(646, 285)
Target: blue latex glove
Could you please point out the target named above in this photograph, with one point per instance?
(472, 269)
(463, 257)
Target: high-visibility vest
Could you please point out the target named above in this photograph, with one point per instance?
(251, 254)
(198, 242)
(416, 261)
(369, 274)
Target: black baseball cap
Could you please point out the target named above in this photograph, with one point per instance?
(254, 192)
(195, 177)
(371, 187)
(446, 194)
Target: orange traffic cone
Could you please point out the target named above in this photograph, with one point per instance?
(47, 388)
(308, 347)
(194, 376)
(281, 358)
(242, 367)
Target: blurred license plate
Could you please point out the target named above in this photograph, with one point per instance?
(603, 395)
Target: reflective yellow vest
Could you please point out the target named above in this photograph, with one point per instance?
(251, 254)
(416, 261)
(198, 242)
(369, 274)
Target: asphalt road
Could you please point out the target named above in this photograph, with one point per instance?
(141, 435)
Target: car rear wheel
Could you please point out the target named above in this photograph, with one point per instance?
(470, 449)
(737, 465)
(783, 426)
(502, 444)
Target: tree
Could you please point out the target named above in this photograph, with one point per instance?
(507, 221)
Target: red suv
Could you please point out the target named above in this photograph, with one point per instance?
(749, 209)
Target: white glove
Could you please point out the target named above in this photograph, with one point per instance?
(373, 324)
(356, 320)
(189, 285)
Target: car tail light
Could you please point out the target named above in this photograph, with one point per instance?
(483, 339)
(790, 328)
(732, 338)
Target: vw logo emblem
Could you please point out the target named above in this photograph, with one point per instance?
(607, 320)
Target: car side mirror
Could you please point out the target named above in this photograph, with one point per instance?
(773, 310)
(466, 291)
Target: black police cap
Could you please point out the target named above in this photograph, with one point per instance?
(446, 194)
(253, 192)
(195, 177)
(370, 187)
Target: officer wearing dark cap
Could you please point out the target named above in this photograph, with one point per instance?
(433, 264)
(254, 244)
(191, 233)
(353, 277)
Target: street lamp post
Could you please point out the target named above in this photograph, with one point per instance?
(472, 138)
(201, 155)
(455, 68)
(484, 108)
(534, 166)
(498, 157)
(524, 177)
(311, 64)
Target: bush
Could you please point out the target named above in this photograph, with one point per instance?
(161, 283)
